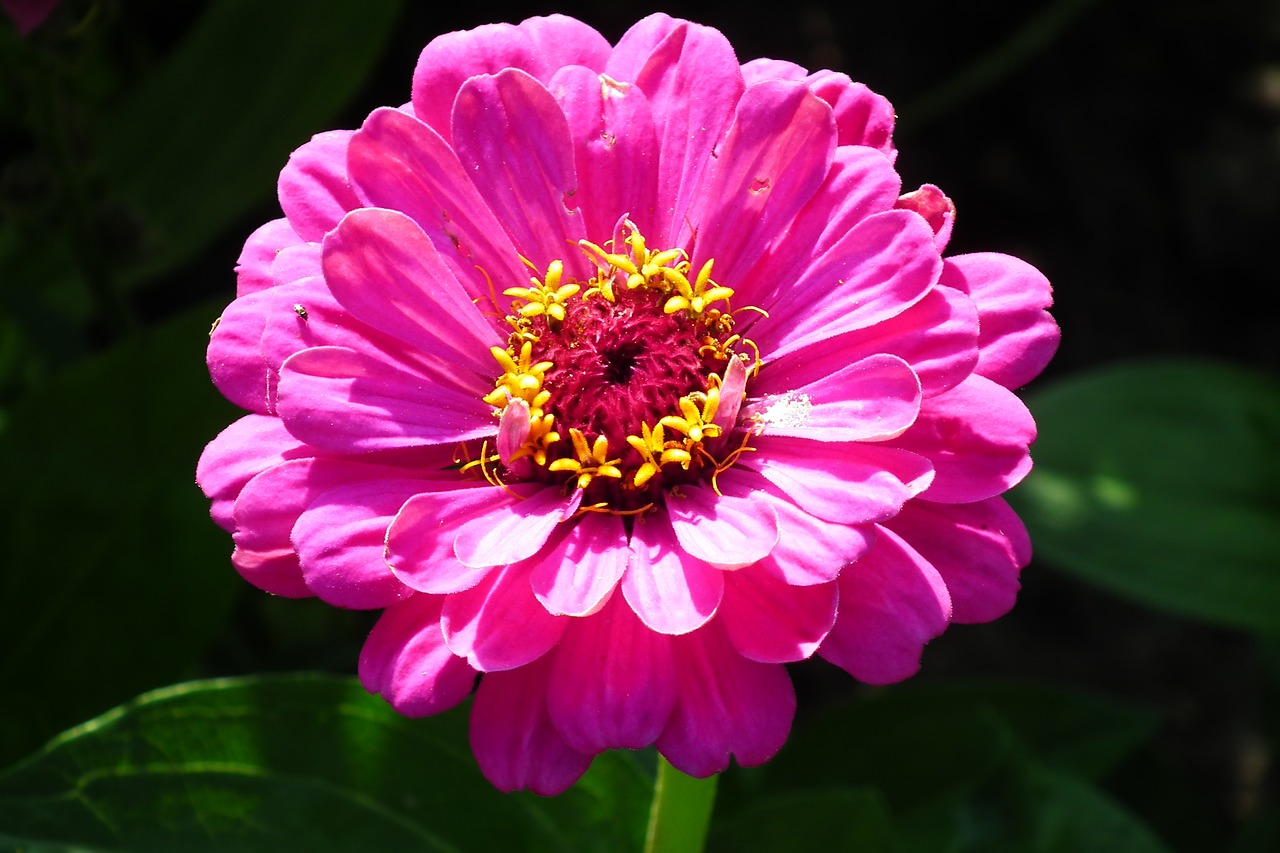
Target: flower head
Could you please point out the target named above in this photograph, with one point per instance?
(623, 375)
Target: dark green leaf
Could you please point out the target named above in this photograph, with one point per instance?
(301, 763)
(805, 821)
(916, 744)
(1026, 808)
(203, 138)
(1161, 481)
(115, 578)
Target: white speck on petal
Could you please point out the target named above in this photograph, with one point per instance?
(786, 410)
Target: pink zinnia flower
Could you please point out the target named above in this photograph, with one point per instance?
(623, 376)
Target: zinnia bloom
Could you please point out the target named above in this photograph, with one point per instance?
(623, 376)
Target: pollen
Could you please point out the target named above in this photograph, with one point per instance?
(619, 376)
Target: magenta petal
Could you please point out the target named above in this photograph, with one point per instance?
(937, 336)
(809, 550)
(275, 571)
(770, 621)
(512, 530)
(670, 591)
(349, 402)
(892, 602)
(406, 661)
(270, 503)
(615, 148)
(498, 624)
(612, 683)
(341, 542)
(874, 399)
(978, 548)
(399, 163)
(420, 540)
(253, 268)
(560, 40)
(453, 58)
(513, 738)
(383, 269)
(727, 706)
(1018, 337)
(576, 575)
(862, 116)
(977, 436)
(773, 159)
(235, 359)
(314, 190)
(513, 138)
(848, 483)
(938, 210)
(693, 82)
(885, 264)
(242, 451)
(729, 530)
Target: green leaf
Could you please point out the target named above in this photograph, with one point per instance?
(1027, 808)
(1160, 481)
(804, 821)
(203, 138)
(300, 763)
(116, 580)
(918, 744)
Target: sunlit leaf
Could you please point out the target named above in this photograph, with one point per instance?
(1161, 481)
(300, 763)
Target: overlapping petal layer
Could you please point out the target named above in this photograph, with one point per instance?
(828, 485)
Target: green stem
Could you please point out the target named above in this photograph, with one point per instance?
(681, 811)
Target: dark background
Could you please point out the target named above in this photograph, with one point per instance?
(1130, 150)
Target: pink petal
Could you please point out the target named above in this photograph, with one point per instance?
(270, 503)
(885, 264)
(498, 624)
(236, 363)
(762, 69)
(341, 542)
(977, 436)
(453, 58)
(693, 82)
(513, 738)
(382, 268)
(615, 148)
(275, 571)
(848, 483)
(253, 268)
(862, 116)
(733, 385)
(978, 548)
(513, 138)
(892, 602)
(314, 190)
(727, 706)
(938, 210)
(295, 263)
(774, 157)
(348, 402)
(420, 540)
(560, 41)
(1018, 337)
(406, 661)
(512, 530)
(860, 182)
(576, 575)
(612, 683)
(809, 550)
(243, 450)
(729, 530)
(670, 591)
(399, 163)
(870, 400)
(770, 621)
(937, 336)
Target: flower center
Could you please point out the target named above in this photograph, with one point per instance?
(612, 385)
